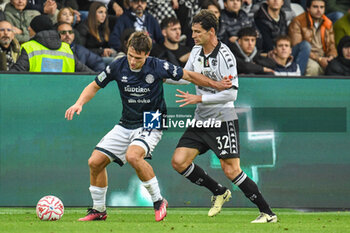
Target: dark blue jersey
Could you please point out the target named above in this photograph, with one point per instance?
(140, 91)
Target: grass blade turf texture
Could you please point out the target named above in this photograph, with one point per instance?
(191, 220)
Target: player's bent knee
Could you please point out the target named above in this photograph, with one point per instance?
(98, 161)
(232, 172)
(183, 158)
(94, 164)
(133, 158)
(134, 154)
(179, 164)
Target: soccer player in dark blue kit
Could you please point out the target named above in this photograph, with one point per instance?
(140, 82)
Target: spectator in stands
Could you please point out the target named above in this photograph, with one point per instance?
(171, 50)
(19, 18)
(47, 7)
(34, 56)
(316, 29)
(85, 56)
(124, 42)
(138, 19)
(214, 6)
(342, 27)
(117, 7)
(162, 9)
(271, 22)
(66, 15)
(233, 18)
(250, 8)
(249, 60)
(341, 64)
(95, 32)
(185, 13)
(282, 55)
(72, 4)
(9, 46)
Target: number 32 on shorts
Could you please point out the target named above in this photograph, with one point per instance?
(223, 142)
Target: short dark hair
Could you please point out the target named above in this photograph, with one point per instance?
(207, 3)
(309, 2)
(167, 21)
(247, 31)
(283, 37)
(140, 41)
(207, 19)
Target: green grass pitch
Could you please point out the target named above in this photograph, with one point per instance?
(191, 220)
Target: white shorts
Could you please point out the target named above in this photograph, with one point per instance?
(116, 142)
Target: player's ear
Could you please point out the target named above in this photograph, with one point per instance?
(164, 33)
(212, 31)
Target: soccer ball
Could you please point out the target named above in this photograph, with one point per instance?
(49, 208)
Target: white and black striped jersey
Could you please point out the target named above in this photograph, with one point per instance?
(218, 64)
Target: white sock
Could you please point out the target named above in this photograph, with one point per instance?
(98, 195)
(153, 189)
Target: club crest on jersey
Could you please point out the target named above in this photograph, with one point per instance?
(101, 76)
(149, 78)
(214, 62)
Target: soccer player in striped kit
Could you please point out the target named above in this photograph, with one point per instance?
(215, 60)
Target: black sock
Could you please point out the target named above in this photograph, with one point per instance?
(251, 191)
(156, 205)
(198, 176)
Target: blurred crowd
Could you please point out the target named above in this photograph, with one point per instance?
(274, 37)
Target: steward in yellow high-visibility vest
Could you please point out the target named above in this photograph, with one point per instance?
(45, 52)
(43, 59)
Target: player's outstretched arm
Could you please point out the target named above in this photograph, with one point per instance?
(187, 98)
(201, 80)
(221, 97)
(88, 93)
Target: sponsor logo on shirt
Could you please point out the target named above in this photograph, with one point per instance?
(124, 79)
(137, 90)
